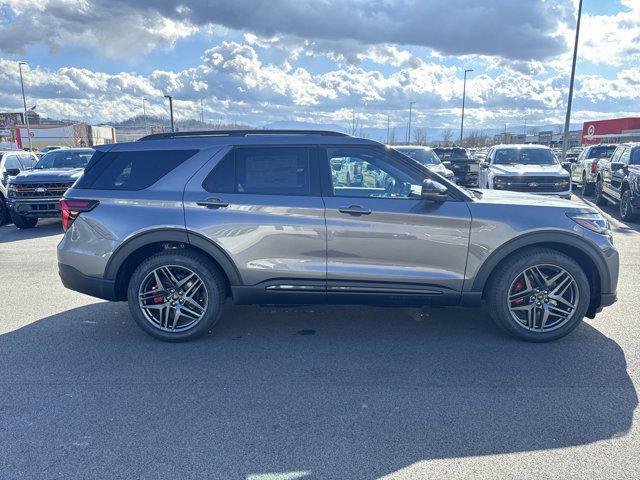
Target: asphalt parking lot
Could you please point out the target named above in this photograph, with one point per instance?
(311, 393)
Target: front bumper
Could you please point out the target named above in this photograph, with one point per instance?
(93, 286)
(36, 208)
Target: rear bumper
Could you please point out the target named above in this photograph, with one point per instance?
(94, 286)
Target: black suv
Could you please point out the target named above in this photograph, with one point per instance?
(618, 180)
(36, 193)
(457, 160)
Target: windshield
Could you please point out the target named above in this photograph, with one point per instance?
(602, 152)
(524, 156)
(446, 153)
(421, 155)
(64, 159)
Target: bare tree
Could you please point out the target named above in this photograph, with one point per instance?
(420, 136)
(447, 136)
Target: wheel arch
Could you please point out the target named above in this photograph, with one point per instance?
(571, 245)
(131, 253)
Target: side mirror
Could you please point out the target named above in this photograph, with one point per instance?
(566, 166)
(615, 166)
(484, 165)
(434, 191)
(12, 172)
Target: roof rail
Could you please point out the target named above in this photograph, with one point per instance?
(239, 133)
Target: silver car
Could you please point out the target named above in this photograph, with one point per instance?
(426, 157)
(524, 168)
(584, 171)
(177, 223)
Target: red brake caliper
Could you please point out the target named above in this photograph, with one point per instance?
(518, 287)
(159, 299)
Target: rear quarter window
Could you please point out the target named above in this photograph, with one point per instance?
(130, 170)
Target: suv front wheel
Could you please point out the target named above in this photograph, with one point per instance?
(538, 295)
(176, 295)
(23, 222)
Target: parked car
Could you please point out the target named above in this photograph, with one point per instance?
(12, 162)
(425, 157)
(36, 193)
(618, 180)
(464, 167)
(177, 222)
(49, 148)
(525, 168)
(584, 170)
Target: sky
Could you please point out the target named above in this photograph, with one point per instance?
(255, 62)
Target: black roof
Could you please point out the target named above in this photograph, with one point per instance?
(238, 133)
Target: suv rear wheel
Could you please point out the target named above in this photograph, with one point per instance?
(23, 222)
(538, 295)
(176, 296)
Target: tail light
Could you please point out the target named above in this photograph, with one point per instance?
(71, 208)
(594, 167)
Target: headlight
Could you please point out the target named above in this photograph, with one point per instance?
(591, 221)
(11, 189)
(449, 174)
(499, 182)
(563, 182)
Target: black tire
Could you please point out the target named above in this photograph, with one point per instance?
(23, 222)
(626, 210)
(587, 188)
(508, 271)
(211, 277)
(599, 196)
(4, 213)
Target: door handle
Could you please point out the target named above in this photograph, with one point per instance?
(213, 203)
(354, 210)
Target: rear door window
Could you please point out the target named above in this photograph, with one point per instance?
(131, 170)
(265, 171)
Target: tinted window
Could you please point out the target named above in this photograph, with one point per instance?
(524, 156)
(604, 151)
(65, 159)
(12, 163)
(131, 170)
(222, 178)
(635, 157)
(280, 171)
(360, 172)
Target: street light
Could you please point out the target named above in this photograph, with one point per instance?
(144, 115)
(565, 138)
(171, 111)
(409, 126)
(464, 94)
(24, 104)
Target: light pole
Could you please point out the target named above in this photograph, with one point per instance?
(565, 137)
(464, 94)
(170, 111)
(409, 126)
(388, 127)
(24, 104)
(144, 115)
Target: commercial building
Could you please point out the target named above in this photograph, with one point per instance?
(616, 130)
(70, 135)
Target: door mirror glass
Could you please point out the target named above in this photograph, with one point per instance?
(12, 172)
(434, 191)
(484, 165)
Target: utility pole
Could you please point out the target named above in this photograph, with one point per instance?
(388, 128)
(201, 111)
(565, 137)
(144, 115)
(464, 95)
(409, 126)
(24, 104)
(171, 111)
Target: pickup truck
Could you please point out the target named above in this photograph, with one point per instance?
(618, 180)
(36, 193)
(464, 168)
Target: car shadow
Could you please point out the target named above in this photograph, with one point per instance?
(45, 228)
(316, 392)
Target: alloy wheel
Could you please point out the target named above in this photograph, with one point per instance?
(173, 298)
(543, 298)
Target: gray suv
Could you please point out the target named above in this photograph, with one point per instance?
(176, 223)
